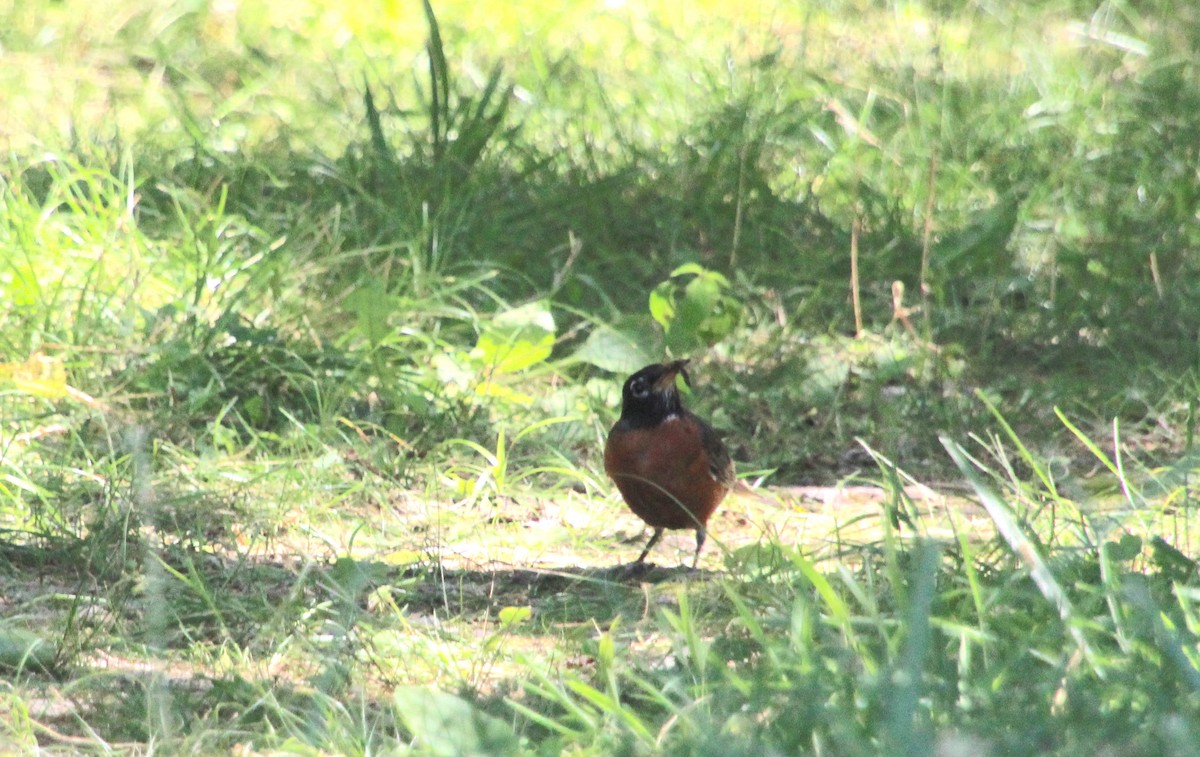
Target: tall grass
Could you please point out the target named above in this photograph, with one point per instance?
(313, 319)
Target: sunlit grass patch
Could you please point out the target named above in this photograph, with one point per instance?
(314, 316)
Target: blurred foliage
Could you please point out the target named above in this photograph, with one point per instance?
(1034, 187)
(303, 305)
(697, 314)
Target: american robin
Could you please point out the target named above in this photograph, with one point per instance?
(670, 466)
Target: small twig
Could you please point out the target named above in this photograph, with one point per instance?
(899, 312)
(1158, 285)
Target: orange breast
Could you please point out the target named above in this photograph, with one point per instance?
(663, 473)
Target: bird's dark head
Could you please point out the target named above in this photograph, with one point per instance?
(650, 395)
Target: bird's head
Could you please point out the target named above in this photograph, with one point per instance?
(650, 396)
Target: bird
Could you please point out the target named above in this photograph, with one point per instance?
(671, 468)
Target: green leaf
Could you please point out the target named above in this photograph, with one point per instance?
(256, 410)
(1173, 564)
(694, 308)
(516, 339)
(662, 304)
(23, 650)
(372, 306)
(621, 347)
(512, 615)
(442, 724)
(352, 577)
(691, 268)
(1126, 549)
(700, 297)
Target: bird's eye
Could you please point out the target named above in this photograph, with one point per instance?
(638, 388)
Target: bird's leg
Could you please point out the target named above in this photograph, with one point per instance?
(701, 535)
(658, 532)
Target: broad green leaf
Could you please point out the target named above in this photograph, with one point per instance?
(662, 304)
(694, 308)
(352, 576)
(442, 724)
(700, 298)
(516, 339)
(512, 615)
(24, 650)
(622, 347)
(1127, 548)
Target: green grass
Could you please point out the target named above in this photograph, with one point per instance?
(313, 320)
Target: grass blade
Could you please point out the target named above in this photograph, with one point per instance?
(1023, 547)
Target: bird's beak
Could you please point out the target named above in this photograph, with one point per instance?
(666, 382)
